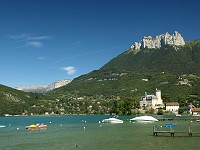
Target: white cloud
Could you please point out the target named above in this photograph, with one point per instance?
(19, 37)
(30, 40)
(41, 58)
(70, 70)
(76, 43)
(39, 38)
(34, 44)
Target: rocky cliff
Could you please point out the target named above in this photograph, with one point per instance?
(160, 40)
(58, 84)
(44, 88)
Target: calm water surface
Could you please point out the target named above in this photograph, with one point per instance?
(64, 132)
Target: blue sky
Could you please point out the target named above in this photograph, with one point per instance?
(42, 41)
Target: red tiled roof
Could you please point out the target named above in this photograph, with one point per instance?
(195, 109)
(172, 104)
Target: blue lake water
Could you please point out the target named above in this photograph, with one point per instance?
(85, 133)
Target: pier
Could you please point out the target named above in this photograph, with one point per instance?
(179, 118)
(172, 131)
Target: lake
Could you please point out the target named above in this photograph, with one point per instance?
(85, 133)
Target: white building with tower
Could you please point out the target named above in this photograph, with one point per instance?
(152, 101)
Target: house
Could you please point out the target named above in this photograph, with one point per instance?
(152, 101)
(172, 106)
(191, 109)
(195, 111)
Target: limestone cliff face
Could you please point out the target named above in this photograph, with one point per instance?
(44, 88)
(160, 40)
(58, 84)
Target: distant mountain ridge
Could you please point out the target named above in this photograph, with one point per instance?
(44, 88)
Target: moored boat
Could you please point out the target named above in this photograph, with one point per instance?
(31, 127)
(112, 120)
(42, 126)
(144, 119)
(2, 126)
(170, 125)
(37, 126)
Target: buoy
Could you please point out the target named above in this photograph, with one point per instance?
(84, 128)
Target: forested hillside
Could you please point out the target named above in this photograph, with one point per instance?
(172, 59)
(15, 102)
(119, 85)
(175, 70)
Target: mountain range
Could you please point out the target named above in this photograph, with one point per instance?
(44, 88)
(173, 57)
(165, 62)
(174, 69)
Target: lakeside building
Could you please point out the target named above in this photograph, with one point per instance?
(194, 111)
(172, 106)
(152, 101)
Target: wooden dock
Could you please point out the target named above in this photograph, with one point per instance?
(178, 118)
(172, 132)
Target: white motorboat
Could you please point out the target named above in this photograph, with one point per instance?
(2, 126)
(112, 120)
(144, 119)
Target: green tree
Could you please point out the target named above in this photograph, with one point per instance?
(180, 111)
(160, 112)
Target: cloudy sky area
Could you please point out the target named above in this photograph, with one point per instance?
(45, 41)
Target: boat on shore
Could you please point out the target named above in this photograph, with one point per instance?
(112, 120)
(144, 119)
(35, 127)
